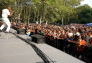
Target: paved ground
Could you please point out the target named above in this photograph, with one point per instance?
(58, 56)
(52, 54)
(15, 50)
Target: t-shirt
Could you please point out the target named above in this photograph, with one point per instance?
(83, 42)
(70, 34)
(77, 33)
(5, 13)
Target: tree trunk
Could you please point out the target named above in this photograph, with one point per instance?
(62, 21)
(68, 20)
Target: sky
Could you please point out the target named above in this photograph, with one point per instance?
(89, 2)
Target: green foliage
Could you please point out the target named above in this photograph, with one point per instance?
(84, 14)
(45, 10)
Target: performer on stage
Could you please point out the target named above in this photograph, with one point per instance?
(6, 22)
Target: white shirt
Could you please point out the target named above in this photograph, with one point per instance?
(5, 13)
(77, 33)
(70, 34)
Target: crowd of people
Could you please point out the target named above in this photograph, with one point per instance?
(74, 39)
(58, 32)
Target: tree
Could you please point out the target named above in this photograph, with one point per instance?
(84, 14)
(66, 9)
(44, 10)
